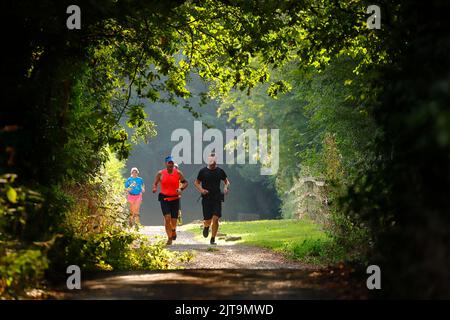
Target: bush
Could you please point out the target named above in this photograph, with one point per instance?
(22, 263)
(316, 251)
(96, 236)
(20, 269)
(114, 249)
(352, 237)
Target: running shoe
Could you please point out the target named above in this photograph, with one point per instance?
(205, 232)
(213, 241)
(174, 235)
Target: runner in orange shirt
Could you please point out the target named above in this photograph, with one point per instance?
(169, 196)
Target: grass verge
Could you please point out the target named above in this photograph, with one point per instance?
(300, 240)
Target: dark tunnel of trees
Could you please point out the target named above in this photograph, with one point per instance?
(365, 110)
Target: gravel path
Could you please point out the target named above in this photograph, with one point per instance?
(225, 255)
(235, 272)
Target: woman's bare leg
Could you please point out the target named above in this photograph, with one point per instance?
(132, 212)
(136, 212)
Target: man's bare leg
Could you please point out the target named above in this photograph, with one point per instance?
(168, 226)
(173, 222)
(215, 226)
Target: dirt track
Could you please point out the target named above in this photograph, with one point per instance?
(226, 255)
(226, 271)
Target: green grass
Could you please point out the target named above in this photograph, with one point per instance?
(298, 239)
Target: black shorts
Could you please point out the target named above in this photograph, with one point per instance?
(170, 207)
(210, 208)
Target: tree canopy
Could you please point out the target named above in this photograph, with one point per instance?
(367, 110)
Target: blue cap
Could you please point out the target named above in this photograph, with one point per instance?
(168, 159)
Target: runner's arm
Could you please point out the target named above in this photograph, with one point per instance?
(184, 183)
(128, 186)
(227, 184)
(157, 180)
(198, 186)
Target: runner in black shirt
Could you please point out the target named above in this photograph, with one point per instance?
(208, 184)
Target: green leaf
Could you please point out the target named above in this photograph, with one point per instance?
(11, 194)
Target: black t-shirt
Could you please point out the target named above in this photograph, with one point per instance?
(210, 179)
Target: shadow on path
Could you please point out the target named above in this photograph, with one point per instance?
(207, 285)
(226, 271)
